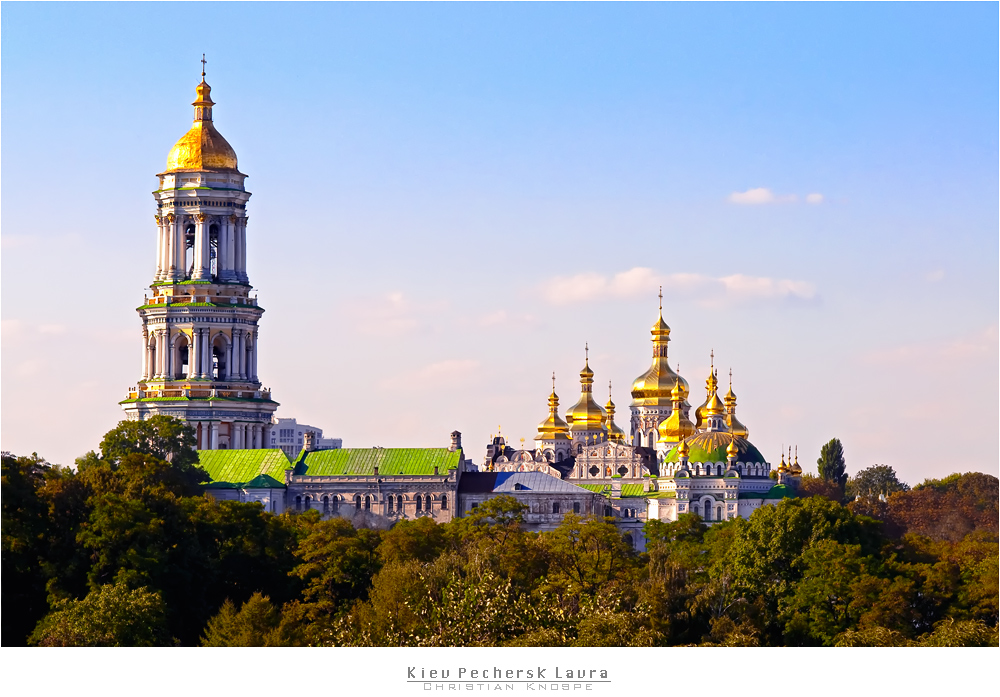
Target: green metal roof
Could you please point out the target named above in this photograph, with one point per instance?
(596, 488)
(711, 447)
(361, 462)
(780, 491)
(632, 490)
(233, 469)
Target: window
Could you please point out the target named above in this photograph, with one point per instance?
(326, 505)
(555, 506)
(708, 511)
(298, 503)
(419, 503)
(427, 502)
(368, 503)
(389, 504)
(399, 503)
(576, 506)
(444, 502)
(357, 502)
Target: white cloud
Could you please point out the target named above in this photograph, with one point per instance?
(814, 199)
(641, 281)
(757, 197)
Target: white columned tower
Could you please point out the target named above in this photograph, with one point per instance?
(199, 328)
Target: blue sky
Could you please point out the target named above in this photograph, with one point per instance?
(450, 199)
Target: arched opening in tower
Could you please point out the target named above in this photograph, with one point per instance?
(189, 251)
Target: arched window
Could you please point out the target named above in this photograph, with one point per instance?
(555, 506)
(708, 511)
(718, 513)
(326, 505)
(444, 502)
(629, 540)
(388, 502)
(419, 503)
(399, 503)
(368, 503)
(308, 502)
(427, 502)
(652, 441)
(576, 506)
(189, 251)
(213, 253)
(357, 502)
(579, 448)
(298, 503)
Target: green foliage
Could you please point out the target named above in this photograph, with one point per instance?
(874, 484)
(162, 437)
(421, 540)
(111, 615)
(831, 463)
(587, 553)
(256, 623)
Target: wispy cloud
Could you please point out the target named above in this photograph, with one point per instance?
(640, 281)
(759, 197)
(814, 199)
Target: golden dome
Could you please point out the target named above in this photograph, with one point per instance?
(734, 424)
(732, 450)
(553, 428)
(683, 449)
(677, 426)
(202, 147)
(653, 387)
(587, 415)
(614, 432)
(796, 470)
(711, 387)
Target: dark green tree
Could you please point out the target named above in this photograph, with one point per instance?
(831, 463)
(163, 437)
(111, 615)
(256, 623)
(875, 483)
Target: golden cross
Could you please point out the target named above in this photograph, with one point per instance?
(203, 61)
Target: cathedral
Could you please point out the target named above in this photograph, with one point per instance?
(199, 364)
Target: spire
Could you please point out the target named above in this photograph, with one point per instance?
(652, 388)
(614, 432)
(586, 415)
(734, 424)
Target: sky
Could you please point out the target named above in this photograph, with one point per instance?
(450, 200)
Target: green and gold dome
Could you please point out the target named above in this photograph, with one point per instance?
(712, 446)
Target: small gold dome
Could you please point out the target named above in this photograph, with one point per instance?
(553, 428)
(683, 449)
(653, 387)
(202, 147)
(586, 415)
(732, 450)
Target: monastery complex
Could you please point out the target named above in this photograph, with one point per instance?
(199, 364)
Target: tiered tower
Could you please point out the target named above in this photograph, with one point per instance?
(199, 328)
(651, 392)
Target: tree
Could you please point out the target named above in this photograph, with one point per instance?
(948, 508)
(812, 485)
(875, 483)
(421, 539)
(112, 615)
(587, 552)
(256, 623)
(163, 437)
(831, 463)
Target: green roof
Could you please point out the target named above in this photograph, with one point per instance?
(632, 490)
(363, 461)
(780, 491)
(596, 488)
(237, 469)
(711, 447)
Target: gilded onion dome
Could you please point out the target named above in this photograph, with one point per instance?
(677, 426)
(795, 468)
(614, 432)
(732, 450)
(587, 415)
(734, 424)
(653, 387)
(711, 388)
(202, 147)
(553, 428)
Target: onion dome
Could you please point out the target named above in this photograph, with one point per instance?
(782, 467)
(680, 451)
(796, 470)
(202, 147)
(734, 424)
(653, 387)
(711, 387)
(677, 426)
(732, 450)
(713, 445)
(553, 428)
(614, 432)
(587, 415)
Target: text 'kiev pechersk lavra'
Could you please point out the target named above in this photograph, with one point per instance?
(677, 462)
(199, 328)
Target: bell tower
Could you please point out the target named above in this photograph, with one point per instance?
(199, 326)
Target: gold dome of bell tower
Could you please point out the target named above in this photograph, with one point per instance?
(652, 388)
(202, 147)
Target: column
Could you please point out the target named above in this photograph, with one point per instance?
(194, 351)
(198, 434)
(161, 354)
(213, 443)
(145, 353)
(202, 253)
(170, 247)
(227, 250)
(229, 358)
(159, 248)
(239, 354)
(255, 429)
(253, 358)
(206, 358)
(241, 248)
(180, 249)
